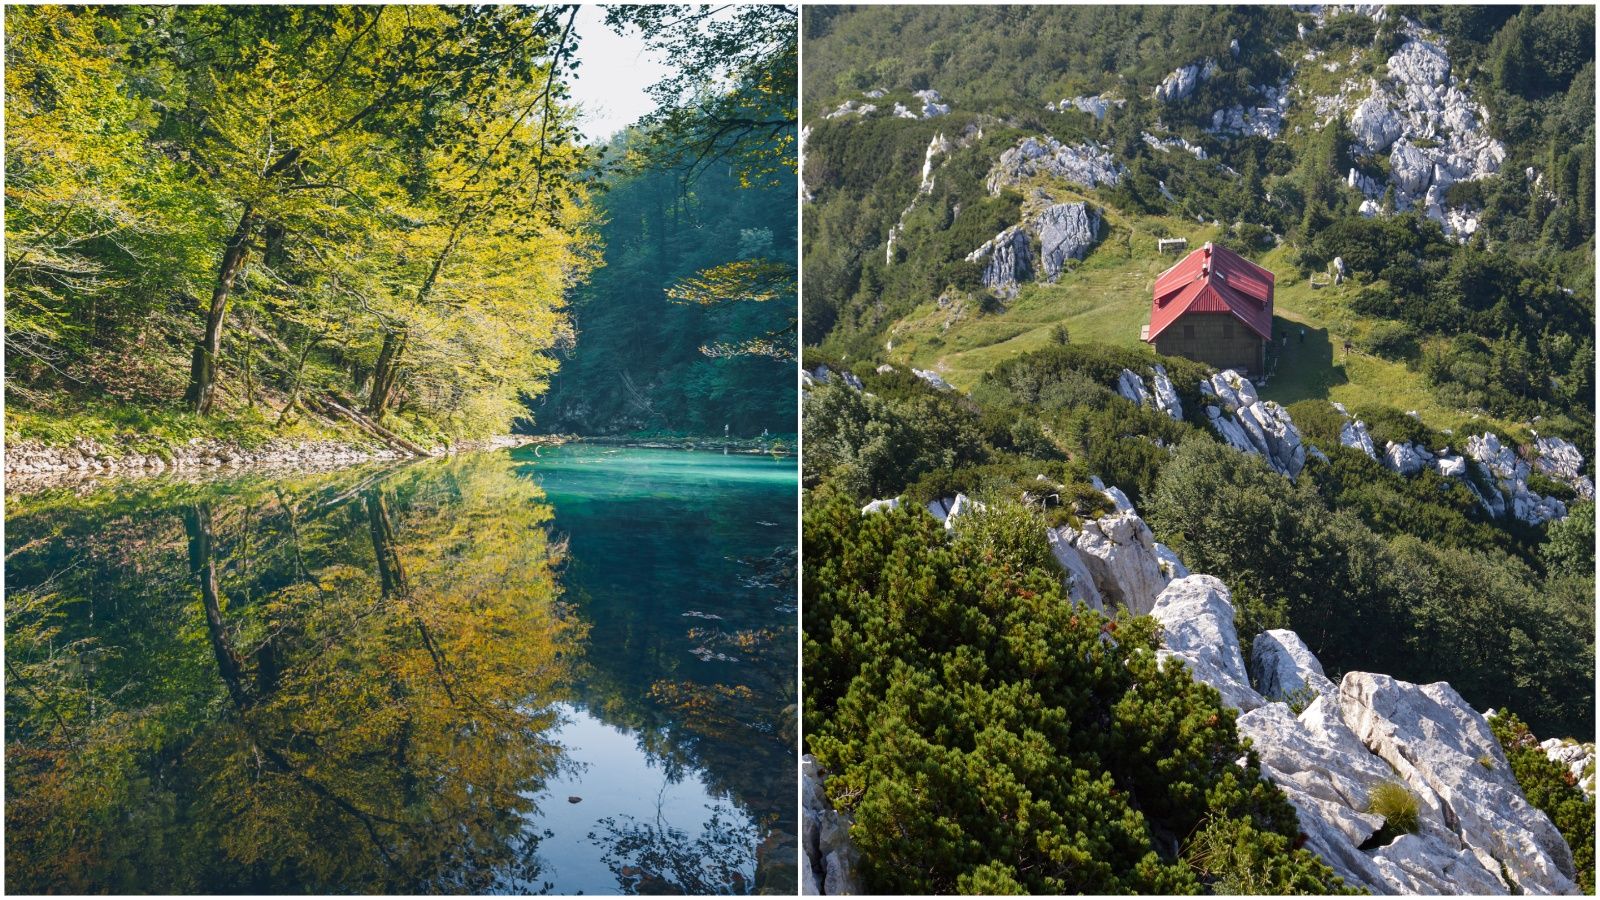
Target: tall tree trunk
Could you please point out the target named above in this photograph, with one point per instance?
(203, 367)
(203, 566)
(386, 373)
(392, 579)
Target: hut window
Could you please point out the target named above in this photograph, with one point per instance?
(1188, 331)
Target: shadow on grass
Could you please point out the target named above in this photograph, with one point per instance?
(1305, 367)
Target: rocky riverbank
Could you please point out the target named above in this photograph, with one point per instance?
(35, 465)
(751, 446)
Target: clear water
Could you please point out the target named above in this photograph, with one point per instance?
(568, 670)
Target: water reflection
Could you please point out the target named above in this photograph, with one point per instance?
(283, 685)
(398, 680)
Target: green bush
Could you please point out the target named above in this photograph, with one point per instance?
(988, 735)
(1550, 787)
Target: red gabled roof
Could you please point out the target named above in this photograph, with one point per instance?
(1213, 280)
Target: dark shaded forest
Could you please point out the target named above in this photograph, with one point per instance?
(647, 360)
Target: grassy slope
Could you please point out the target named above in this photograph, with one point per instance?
(1107, 299)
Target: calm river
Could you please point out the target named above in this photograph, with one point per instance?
(569, 670)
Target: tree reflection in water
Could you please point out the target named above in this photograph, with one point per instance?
(282, 685)
(657, 858)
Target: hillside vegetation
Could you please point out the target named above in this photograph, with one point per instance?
(1499, 327)
(1464, 322)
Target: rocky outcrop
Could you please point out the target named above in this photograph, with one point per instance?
(1354, 433)
(1007, 261)
(932, 104)
(1435, 742)
(1252, 425)
(1065, 231)
(1511, 475)
(1196, 616)
(1432, 131)
(1126, 566)
(1088, 165)
(1166, 396)
(1371, 730)
(829, 859)
(1282, 667)
(1182, 81)
(1166, 145)
(824, 375)
(1096, 105)
(1563, 461)
(1131, 387)
(1264, 119)
(888, 505)
(1576, 757)
(1408, 459)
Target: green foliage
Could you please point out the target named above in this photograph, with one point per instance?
(1235, 858)
(987, 735)
(251, 208)
(1550, 787)
(871, 446)
(1569, 548)
(642, 360)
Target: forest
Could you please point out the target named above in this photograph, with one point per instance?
(376, 221)
(651, 357)
(273, 217)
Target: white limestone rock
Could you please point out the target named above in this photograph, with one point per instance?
(1282, 666)
(828, 856)
(1375, 124)
(888, 505)
(1433, 739)
(1450, 466)
(1577, 758)
(1132, 389)
(1065, 231)
(1088, 165)
(1080, 581)
(1182, 81)
(1563, 461)
(1121, 555)
(1007, 261)
(933, 379)
(1354, 433)
(1408, 459)
(1196, 615)
(1166, 396)
(932, 104)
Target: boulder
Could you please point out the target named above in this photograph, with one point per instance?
(1434, 740)
(1196, 615)
(1354, 433)
(1166, 396)
(1408, 459)
(933, 379)
(1283, 667)
(1007, 261)
(1450, 465)
(1066, 231)
(1132, 389)
(1121, 556)
(891, 503)
(1409, 169)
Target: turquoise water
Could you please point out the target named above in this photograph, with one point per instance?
(564, 670)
